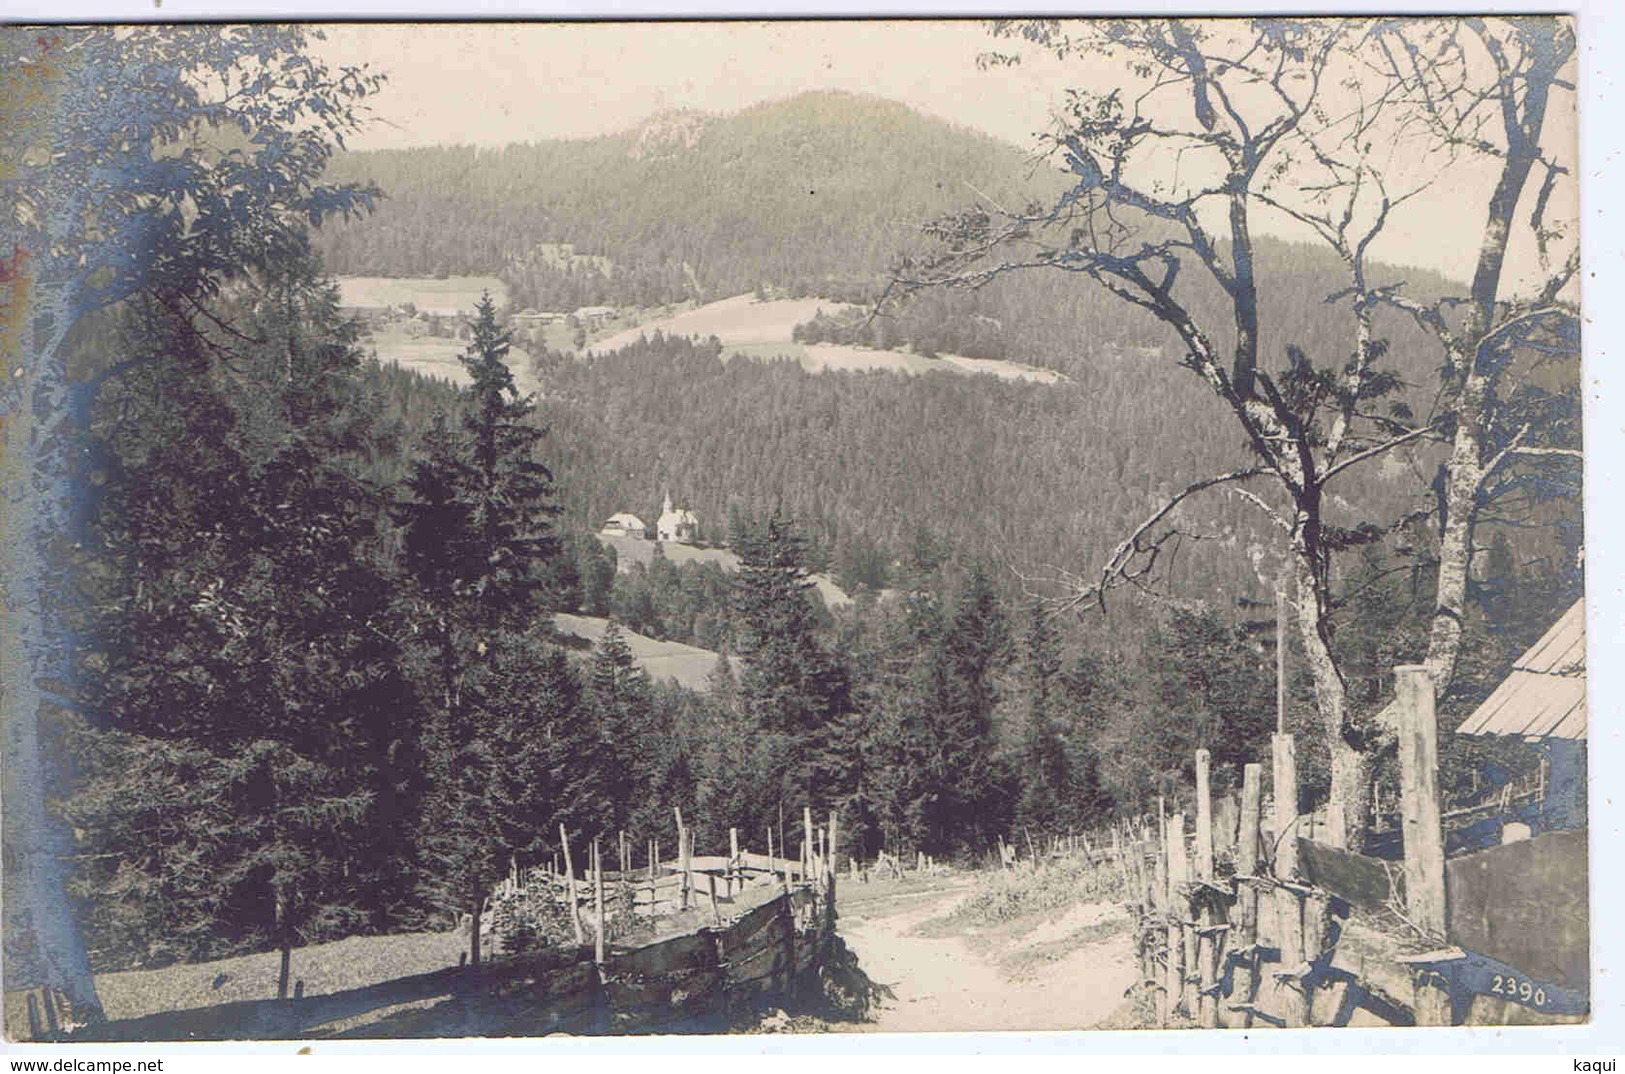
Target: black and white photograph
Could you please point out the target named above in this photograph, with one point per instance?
(516, 529)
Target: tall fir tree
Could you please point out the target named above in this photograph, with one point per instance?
(1045, 765)
(975, 799)
(239, 643)
(478, 521)
(793, 687)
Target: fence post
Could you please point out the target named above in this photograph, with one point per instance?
(1178, 877)
(1208, 936)
(1204, 816)
(1161, 903)
(1252, 778)
(809, 839)
(598, 943)
(733, 861)
(1421, 825)
(682, 859)
(570, 883)
(831, 871)
(1285, 756)
(688, 861)
(1288, 907)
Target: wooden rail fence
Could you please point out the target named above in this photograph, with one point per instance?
(1256, 929)
(769, 939)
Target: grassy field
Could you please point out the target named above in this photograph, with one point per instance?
(443, 296)
(670, 661)
(322, 969)
(737, 321)
(763, 330)
(436, 356)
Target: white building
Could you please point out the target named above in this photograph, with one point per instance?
(677, 524)
(592, 316)
(625, 524)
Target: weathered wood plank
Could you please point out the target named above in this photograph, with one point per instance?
(752, 922)
(694, 951)
(1359, 880)
(768, 961)
(1526, 904)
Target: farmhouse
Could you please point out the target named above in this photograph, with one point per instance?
(529, 318)
(1543, 702)
(592, 316)
(624, 524)
(677, 523)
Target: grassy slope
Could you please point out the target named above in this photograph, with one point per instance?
(686, 665)
(323, 969)
(437, 357)
(757, 329)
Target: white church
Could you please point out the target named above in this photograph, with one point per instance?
(676, 524)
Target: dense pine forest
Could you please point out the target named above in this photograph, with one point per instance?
(314, 688)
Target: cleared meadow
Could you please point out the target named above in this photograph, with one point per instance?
(668, 661)
(436, 356)
(756, 329)
(453, 294)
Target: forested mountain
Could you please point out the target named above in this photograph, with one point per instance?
(813, 194)
(821, 194)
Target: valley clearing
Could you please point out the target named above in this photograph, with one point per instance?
(1063, 969)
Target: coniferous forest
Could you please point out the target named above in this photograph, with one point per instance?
(296, 671)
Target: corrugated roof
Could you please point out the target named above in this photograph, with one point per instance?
(1545, 695)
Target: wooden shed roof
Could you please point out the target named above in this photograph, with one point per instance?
(1545, 695)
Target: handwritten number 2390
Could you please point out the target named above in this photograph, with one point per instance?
(1517, 988)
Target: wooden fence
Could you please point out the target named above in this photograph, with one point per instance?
(1271, 928)
(769, 939)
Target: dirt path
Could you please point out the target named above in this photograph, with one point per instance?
(949, 982)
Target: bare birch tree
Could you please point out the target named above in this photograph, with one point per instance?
(1484, 88)
(1226, 122)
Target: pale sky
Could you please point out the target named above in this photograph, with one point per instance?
(497, 83)
(490, 84)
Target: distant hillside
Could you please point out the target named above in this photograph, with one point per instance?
(816, 198)
(818, 195)
(870, 464)
(755, 328)
(811, 193)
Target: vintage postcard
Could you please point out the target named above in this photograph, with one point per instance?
(522, 528)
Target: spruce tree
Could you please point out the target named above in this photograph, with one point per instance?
(237, 643)
(1046, 775)
(792, 687)
(618, 708)
(974, 797)
(478, 532)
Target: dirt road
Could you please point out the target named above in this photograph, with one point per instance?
(1067, 973)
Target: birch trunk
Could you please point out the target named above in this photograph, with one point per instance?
(1473, 371)
(38, 509)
